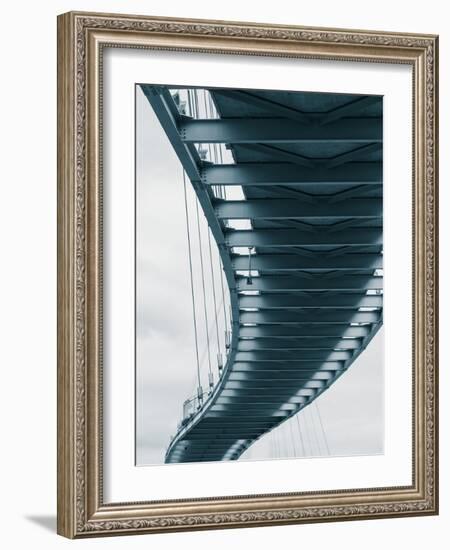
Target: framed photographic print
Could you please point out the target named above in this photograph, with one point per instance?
(247, 284)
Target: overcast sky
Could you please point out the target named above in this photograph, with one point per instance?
(351, 411)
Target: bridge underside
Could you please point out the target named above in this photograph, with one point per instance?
(310, 167)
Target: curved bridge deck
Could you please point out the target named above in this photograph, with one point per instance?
(310, 166)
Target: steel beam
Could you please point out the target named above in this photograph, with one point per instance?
(263, 400)
(278, 130)
(284, 393)
(316, 300)
(288, 262)
(276, 356)
(250, 434)
(279, 209)
(293, 376)
(298, 344)
(245, 406)
(312, 367)
(292, 237)
(265, 317)
(290, 283)
(300, 331)
(216, 425)
(260, 402)
(250, 385)
(242, 434)
(237, 414)
(272, 173)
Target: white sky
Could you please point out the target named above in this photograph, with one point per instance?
(351, 411)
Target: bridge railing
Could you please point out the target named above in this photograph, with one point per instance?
(190, 408)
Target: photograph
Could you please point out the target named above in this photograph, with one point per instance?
(258, 274)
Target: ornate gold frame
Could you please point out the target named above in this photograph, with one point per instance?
(81, 511)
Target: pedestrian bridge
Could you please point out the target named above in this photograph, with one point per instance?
(304, 264)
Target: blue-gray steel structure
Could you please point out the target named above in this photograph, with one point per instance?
(310, 166)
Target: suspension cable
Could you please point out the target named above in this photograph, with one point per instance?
(191, 103)
(314, 431)
(307, 433)
(195, 95)
(223, 297)
(287, 439)
(271, 448)
(283, 443)
(322, 428)
(192, 278)
(277, 447)
(210, 329)
(301, 436)
(214, 290)
(204, 289)
(292, 437)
